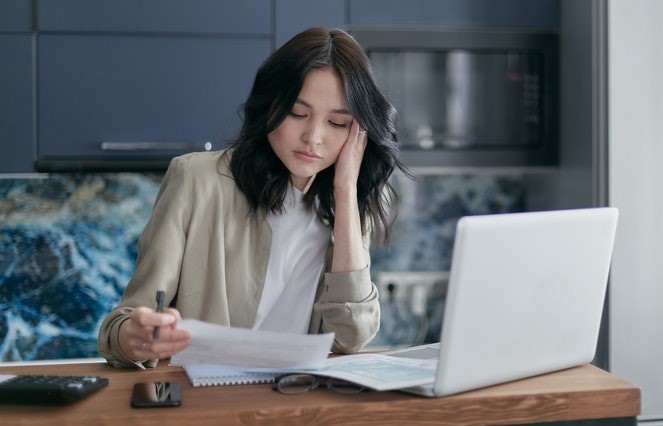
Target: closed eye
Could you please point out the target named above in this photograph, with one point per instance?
(337, 124)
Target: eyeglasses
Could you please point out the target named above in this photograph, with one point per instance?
(291, 384)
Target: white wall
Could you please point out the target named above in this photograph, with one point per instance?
(636, 188)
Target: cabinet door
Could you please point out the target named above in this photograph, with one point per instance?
(17, 132)
(16, 16)
(456, 13)
(328, 14)
(100, 90)
(236, 17)
(17, 140)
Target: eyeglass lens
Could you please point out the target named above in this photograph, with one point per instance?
(343, 386)
(298, 383)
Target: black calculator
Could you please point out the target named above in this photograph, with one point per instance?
(47, 389)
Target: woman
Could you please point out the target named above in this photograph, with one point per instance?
(272, 233)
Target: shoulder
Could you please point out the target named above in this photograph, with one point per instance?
(198, 175)
(218, 161)
(206, 178)
(196, 165)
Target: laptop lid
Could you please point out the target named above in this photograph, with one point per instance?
(525, 296)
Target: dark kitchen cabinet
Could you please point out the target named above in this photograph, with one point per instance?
(293, 16)
(139, 98)
(474, 81)
(127, 85)
(458, 14)
(17, 136)
(229, 17)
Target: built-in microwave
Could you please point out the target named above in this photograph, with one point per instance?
(469, 97)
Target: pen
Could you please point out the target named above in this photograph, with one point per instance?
(160, 294)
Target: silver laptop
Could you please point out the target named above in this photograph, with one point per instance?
(525, 297)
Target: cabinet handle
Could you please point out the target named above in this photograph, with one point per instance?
(154, 146)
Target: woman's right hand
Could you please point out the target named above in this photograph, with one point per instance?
(135, 334)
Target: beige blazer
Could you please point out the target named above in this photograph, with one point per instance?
(210, 257)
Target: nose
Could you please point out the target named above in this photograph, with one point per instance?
(313, 133)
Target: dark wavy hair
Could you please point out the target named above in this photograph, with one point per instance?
(264, 179)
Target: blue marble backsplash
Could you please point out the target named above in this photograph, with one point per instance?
(68, 245)
(422, 241)
(430, 206)
(67, 249)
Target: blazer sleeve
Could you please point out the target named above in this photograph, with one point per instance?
(160, 251)
(347, 304)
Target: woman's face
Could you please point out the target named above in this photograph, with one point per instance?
(311, 136)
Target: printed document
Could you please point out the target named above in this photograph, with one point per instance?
(380, 372)
(242, 347)
(217, 350)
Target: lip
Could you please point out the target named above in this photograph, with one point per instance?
(307, 156)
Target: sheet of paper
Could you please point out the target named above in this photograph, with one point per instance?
(381, 372)
(217, 344)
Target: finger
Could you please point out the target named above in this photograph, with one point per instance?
(174, 312)
(140, 330)
(171, 342)
(139, 347)
(168, 351)
(362, 135)
(146, 317)
(362, 140)
(357, 129)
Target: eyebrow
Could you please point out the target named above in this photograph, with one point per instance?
(333, 111)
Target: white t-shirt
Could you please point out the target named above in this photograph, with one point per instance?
(299, 243)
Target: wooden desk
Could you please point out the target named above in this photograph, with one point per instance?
(584, 392)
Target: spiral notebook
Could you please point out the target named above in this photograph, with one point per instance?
(221, 375)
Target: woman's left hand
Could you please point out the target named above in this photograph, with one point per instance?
(350, 157)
